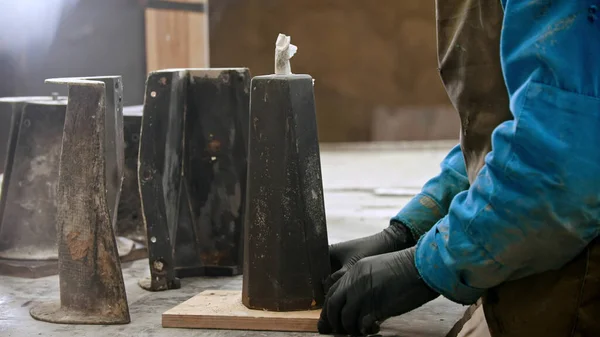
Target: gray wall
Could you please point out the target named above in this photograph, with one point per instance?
(41, 39)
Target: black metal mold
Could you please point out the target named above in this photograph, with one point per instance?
(129, 219)
(286, 255)
(193, 172)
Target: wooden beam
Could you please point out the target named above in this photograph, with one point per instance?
(176, 38)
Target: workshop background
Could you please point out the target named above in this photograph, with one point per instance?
(374, 62)
(384, 122)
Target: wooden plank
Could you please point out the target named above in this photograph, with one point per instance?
(177, 39)
(223, 309)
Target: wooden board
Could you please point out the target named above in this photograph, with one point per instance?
(176, 39)
(223, 309)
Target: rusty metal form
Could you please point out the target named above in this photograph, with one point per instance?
(30, 159)
(286, 256)
(193, 173)
(91, 170)
(31, 154)
(130, 224)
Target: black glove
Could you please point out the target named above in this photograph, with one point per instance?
(375, 289)
(345, 254)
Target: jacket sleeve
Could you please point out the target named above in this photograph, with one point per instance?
(431, 204)
(535, 204)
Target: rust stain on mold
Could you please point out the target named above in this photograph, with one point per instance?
(77, 248)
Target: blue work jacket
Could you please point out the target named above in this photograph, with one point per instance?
(535, 204)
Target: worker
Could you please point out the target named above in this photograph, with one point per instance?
(510, 224)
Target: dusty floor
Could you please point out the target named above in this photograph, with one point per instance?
(364, 186)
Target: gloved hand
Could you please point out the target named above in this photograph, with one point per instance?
(345, 254)
(375, 289)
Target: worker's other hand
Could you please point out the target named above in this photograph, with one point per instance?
(374, 289)
(344, 255)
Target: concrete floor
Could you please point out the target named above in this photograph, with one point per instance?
(364, 186)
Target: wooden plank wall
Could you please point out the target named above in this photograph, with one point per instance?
(177, 39)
